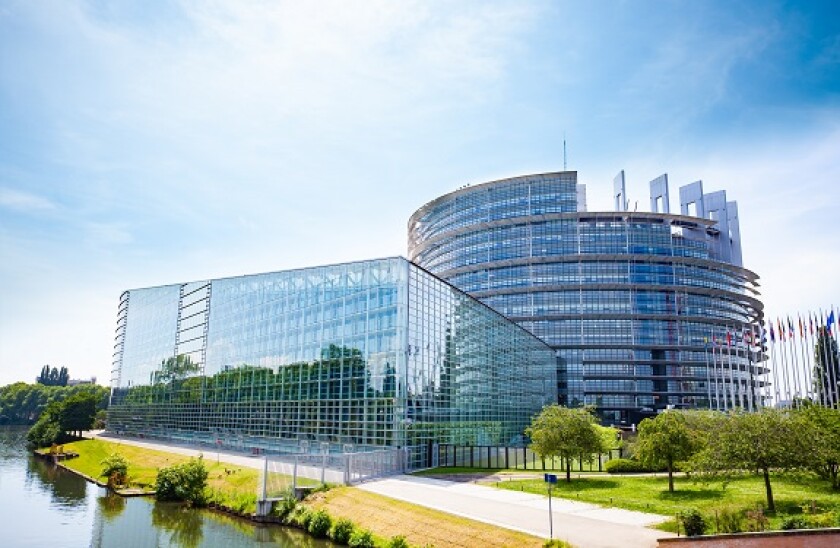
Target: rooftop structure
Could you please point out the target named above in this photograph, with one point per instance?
(630, 301)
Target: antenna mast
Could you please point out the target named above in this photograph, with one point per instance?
(564, 151)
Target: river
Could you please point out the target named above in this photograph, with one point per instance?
(42, 505)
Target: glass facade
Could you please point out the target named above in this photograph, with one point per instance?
(630, 301)
(361, 355)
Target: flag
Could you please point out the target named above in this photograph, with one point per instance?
(811, 321)
(781, 331)
(829, 322)
(801, 329)
(772, 333)
(728, 338)
(791, 332)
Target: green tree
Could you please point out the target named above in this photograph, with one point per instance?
(825, 443)
(174, 368)
(665, 440)
(115, 468)
(73, 414)
(567, 433)
(826, 369)
(47, 429)
(77, 413)
(770, 439)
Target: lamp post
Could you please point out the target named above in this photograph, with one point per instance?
(550, 479)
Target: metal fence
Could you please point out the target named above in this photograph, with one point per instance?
(285, 472)
(520, 458)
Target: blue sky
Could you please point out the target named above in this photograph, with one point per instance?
(148, 143)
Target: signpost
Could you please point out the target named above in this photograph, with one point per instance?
(550, 479)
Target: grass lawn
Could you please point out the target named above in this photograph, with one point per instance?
(793, 494)
(234, 486)
(386, 517)
(449, 470)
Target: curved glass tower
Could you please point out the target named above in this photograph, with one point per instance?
(645, 310)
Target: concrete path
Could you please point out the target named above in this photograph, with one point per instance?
(582, 524)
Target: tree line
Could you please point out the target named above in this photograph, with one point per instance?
(22, 403)
(708, 444)
(53, 376)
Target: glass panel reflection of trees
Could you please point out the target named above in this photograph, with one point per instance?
(370, 354)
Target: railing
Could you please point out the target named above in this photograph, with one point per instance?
(522, 458)
(283, 473)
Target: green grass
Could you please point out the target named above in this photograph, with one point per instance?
(444, 470)
(231, 486)
(793, 494)
(231, 483)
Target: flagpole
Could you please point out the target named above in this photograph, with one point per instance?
(809, 342)
(776, 385)
(794, 374)
(805, 375)
(731, 371)
(833, 370)
(783, 352)
(751, 395)
(739, 361)
(825, 376)
(717, 373)
(708, 373)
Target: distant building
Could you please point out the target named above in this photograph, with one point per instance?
(362, 355)
(75, 382)
(631, 301)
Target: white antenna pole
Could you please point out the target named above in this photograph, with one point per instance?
(564, 151)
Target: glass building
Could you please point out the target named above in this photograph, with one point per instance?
(632, 302)
(353, 356)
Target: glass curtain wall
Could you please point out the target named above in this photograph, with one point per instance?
(342, 357)
(632, 302)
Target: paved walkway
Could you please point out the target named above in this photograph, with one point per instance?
(582, 524)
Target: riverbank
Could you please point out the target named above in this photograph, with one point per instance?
(385, 517)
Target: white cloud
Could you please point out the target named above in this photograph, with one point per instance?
(25, 202)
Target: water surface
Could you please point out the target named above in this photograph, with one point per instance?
(45, 506)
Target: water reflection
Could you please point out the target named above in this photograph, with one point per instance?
(79, 513)
(183, 524)
(66, 489)
(110, 505)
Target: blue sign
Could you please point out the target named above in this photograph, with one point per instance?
(550, 478)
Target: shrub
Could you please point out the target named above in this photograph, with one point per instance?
(244, 503)
(730, 520)
(319, 524)
(693, 522)
(361, 539)
(186, 481)
(342, 531)
(821, 521)
(299, 517)
(115, 468)
(626, 466)
(285, 506)
(794, 522)
(756, 520)
(556, 543)
(398, 542)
